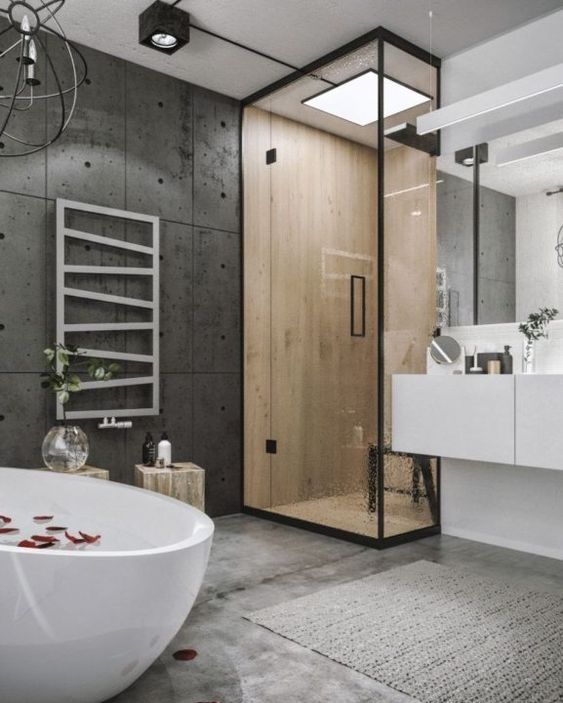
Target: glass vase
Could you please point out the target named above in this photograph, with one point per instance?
(529, 356)
(65, 448)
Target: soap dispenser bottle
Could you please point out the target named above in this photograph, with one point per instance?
(165, 450)
(149, 451)
(506, 361)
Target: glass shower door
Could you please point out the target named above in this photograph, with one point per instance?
(323, 326)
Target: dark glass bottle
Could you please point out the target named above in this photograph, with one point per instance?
(149, 451)
(506, 361)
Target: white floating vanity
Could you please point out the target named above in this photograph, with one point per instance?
(497, 436)
(514, 420)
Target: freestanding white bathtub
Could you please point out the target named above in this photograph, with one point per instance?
(79, 623)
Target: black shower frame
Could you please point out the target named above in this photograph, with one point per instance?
(382, 36)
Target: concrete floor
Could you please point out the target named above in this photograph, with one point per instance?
(255, 564)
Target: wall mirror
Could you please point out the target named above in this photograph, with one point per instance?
(500, 228)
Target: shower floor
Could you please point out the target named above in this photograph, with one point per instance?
(349, 512)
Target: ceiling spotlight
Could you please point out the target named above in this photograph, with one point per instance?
(466, 157)
(164, 41)
(164, 27)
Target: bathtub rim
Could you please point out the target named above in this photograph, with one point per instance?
(204, 533)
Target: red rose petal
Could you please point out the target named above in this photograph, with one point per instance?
(8, 530)
(74, 540)
(44, 538)
(43, 518)
(5, 520)
(27, 544)
(185, 655)
(56, 529)
(89, 538)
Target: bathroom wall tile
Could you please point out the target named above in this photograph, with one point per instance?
(217, 291)
(87, 163)
(460, 288)
(26, 174)
(216, 161)
(159, 145)
(108, 449)
(176, 297)
(497, 301)
(22, 420)
(176, 398)
(217, 439)
(455, 229)
(22, 283)
(498, 237)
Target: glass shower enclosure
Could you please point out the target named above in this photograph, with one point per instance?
(339, 290)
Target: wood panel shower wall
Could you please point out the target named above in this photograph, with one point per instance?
(310, 222)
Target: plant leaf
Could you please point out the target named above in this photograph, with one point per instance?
(63, 397)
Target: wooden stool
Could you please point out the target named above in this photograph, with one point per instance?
(183, 481)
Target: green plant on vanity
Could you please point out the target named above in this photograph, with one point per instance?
(533, 329)
(66, 448)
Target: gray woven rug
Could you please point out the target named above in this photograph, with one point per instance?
(438, 634)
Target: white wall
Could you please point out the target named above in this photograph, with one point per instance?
(508, 506)
(539, 278)
(521, 52)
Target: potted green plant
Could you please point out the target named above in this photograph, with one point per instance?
(65, 447)
(533, 329)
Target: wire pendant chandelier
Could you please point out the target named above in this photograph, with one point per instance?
(40, 73)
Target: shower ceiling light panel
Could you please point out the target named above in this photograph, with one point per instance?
(356, 99)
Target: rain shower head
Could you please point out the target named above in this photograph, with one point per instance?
(558, 189)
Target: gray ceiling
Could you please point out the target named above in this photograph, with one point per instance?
(297, 31)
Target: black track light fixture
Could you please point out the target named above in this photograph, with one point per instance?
(164, 27)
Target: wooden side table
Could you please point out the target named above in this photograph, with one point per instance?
(91, 471)
(185, 482)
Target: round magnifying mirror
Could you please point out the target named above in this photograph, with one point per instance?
(445, 350)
